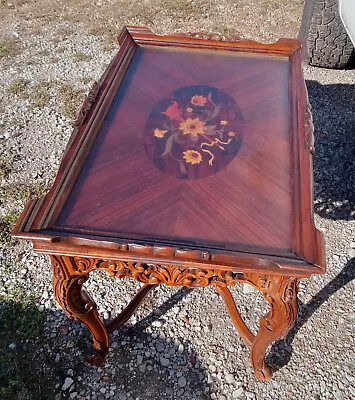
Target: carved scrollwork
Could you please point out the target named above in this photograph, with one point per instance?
(88, 102)
(82, 264)
(69, 275)
(170, 274)
(260, 282)
(309, 128)
(214, 36)
(68, 289)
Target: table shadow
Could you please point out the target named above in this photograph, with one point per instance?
(157, 382)
(25, 372)
(333, 110)
(140, 363)
(164, 308)
(281, 351)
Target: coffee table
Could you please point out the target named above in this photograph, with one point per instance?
(190, 165)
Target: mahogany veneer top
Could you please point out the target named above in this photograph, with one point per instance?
(191, 144)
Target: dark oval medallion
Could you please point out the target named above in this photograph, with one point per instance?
(194, 133)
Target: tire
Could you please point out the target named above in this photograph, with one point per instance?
(325, 39)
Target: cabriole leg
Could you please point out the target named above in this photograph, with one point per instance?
(78, 305)
(281, 293)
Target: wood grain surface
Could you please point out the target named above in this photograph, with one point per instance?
(247, 203)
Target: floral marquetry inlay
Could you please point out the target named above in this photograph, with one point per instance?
(194, 133)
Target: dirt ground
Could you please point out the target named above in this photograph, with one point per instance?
(261, 19)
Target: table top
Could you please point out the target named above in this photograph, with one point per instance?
(192, 142)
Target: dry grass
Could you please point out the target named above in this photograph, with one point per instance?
(106, 33)
(80, 56)
(18, 87)
(14, 192)
(71, 99)
(87, 80)
(23, 192)
(10, 47)
(40, 94)
(65, 31)
(44, 53)
(7, 223)
(5, 166)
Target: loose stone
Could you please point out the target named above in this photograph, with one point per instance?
(230, 379)
(67, 383)
(164, 361)
(182, 381)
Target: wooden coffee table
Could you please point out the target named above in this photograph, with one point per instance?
(190, 165)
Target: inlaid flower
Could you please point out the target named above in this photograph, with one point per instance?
(159, 133)
(192, 156)
(194, 132)
(192, 126)
(198, 100)
(173, 111)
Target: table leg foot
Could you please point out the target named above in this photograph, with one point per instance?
(95, 358)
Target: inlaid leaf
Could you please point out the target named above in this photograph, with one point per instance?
(210, 129)
(168, 145)
(216, 111)
(210, 99)
(182, 167)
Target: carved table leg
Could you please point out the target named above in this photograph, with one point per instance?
(77, 304)
(69, 274)
(281, 293)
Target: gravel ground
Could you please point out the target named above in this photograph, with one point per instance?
(50, 53)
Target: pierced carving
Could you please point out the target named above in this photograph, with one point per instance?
(171, 275)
